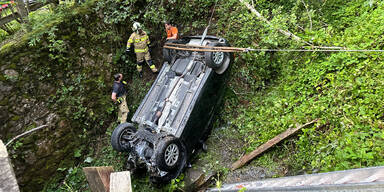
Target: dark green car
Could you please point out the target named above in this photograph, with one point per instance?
(174, 118)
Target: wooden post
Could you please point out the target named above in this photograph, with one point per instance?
(121, 182)
(22, 10)
(98, 178)
(248, 157)
(8, 180)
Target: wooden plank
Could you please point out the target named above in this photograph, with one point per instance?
(22, 10)
(248, 157)
(16, 15)
(121, 182)
(8, 18)
(199, 46)
(8, 180)
(98, 178)
(201, 50)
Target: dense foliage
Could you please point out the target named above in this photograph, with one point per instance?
(268, 92)
(343, 90)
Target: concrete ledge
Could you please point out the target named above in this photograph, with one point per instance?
(8, 182)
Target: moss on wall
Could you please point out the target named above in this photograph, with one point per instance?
(63, 82)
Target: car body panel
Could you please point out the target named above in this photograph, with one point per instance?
(181, 103)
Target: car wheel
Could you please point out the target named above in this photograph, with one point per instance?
(169, 54)
(121, 137)
(218, 61)
(169, 153)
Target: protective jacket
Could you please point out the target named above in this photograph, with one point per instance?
(140, 41)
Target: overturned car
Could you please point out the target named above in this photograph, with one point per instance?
(174, 118)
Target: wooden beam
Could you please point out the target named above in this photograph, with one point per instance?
(248, 157)
(207, 47)
(98, 178)
(121, 182)
(203, 50)
(22, 10)
(16, 15)
(9, 18)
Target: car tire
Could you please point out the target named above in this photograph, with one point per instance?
(169, 154)
(121, 137)
(169, 54)
(218, 61)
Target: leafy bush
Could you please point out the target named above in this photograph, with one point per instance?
(342, 89)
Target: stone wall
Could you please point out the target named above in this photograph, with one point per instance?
(69, 91)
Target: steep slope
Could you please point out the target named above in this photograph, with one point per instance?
(344, 90)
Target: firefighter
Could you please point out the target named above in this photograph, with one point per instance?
(119, 97)
(140, 40)
(172, 32)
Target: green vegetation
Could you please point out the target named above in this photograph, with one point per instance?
(276, 91)
(78, 47)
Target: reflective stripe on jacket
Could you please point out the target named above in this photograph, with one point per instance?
(140, 41)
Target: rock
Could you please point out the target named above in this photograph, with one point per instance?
(4, 89)
(196, 179)
(11, 75)
(109, 58)
(87, 62)
(4, 115)
(30, 157)
(46, 88)
(51, 118)
(247, 173)
(83, 51)
(44, 148)
(24, 61)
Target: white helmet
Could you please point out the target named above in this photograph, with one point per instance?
(136, 26)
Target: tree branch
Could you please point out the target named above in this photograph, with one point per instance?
(25, 133)
(284, 32)
(309, 15)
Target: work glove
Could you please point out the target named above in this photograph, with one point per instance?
(119, 101)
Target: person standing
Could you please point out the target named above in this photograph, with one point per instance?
(140, 40)
(119, 97)
(172, 32)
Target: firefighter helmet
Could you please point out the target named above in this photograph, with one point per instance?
(136, 26)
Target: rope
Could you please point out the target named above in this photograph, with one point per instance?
(238, 49)
(214, 8)
(314, 50)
